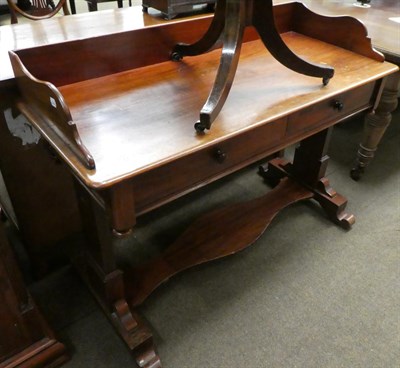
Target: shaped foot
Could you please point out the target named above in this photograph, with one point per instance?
(274, 171)
(148, 358)
(136, 335)
(334, 204)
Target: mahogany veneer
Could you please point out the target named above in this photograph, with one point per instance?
(45, 218)
(124, 128)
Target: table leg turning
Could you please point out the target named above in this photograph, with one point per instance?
(375, 125)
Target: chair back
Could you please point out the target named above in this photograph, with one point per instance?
(36, 9)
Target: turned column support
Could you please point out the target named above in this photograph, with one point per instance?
(375, 125)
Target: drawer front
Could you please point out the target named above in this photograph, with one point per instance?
(331, 110)
(174, 179)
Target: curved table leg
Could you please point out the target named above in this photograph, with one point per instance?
(208, 40)
(231, 17)
(263, 21)
(232, 42)
(375, 125)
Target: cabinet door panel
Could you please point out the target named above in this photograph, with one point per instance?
(12, 336)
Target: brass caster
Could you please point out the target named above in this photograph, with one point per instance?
(200, 127)
(176, 56)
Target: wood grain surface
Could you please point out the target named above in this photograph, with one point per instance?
(137, 120)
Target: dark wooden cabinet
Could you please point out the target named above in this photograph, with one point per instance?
(25, 338)
(92, 4)
(44, 219)
(170, 8)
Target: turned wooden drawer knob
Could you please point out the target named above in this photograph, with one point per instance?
(220, 155)
(338, 105)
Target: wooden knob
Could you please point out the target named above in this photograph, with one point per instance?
(338, 105)
(220, 155)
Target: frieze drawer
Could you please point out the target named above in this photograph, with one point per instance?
(163, 184)
(331, 110)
